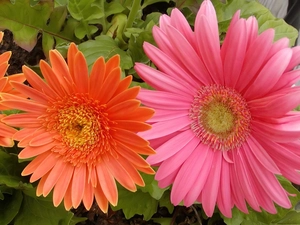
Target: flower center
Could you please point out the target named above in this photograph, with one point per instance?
(81, 128)
(220, 117)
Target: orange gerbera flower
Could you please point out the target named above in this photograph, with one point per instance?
(81, 129)
(7, 132)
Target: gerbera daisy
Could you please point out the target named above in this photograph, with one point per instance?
(7, 132)
(81, 130)
(223, 125)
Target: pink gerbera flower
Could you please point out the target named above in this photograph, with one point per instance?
(81, 129)
(223, 126)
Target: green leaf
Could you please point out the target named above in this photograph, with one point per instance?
(37, 211)
(165, 201)
(150, 2)
(151, 186)
(26, 22)
(292, 218)
(252, 8)
(136, 203)
(104, 46)
(263, 218)
(10, 171)
(10, 207)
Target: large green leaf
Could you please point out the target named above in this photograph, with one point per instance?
(253, 8)
(37, 211)
(283, 216)
(136, 203)
(104, 46)
(10, 171)
(10, 206)
(26, 21)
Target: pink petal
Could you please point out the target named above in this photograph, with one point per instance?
(269, 74)
(255, 59)
(172, 146)
(202, 170)
(161, 81)
(233, 52)
(211, 186)
(209, 48)
(188, 56)
(168, 66)
(165, 100)
(168, 166)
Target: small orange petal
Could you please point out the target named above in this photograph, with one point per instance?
(42, 139)
(123, 96)
(40, 187)
(112, 63)
(71, 55)
(107, 183)
(78, 185)
(30, 151)
(35, 163)
(3, 68)
(101, 199)
(88, 196)
(120, 174)
(68, 198)
(1, 35)
(134, 126)
(97, 77)
(54, 175)
(44, 167)
(62, 184)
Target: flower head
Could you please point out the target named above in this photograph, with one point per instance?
(81, 130)
(7, 132)
(223, 125)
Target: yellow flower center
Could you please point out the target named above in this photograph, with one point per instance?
(81, 128)
(220, 117)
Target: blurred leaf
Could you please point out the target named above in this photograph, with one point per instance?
(165, 201)
(37, 211)
(151, 186)
(150, 2)
(136, 203)
(10, 171)
(163, 221)
(252, 8)
(104, 46)
(10, 207)
(26, 22)
(283, 216)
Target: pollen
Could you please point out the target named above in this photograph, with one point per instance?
(81, 128)
(220, 117)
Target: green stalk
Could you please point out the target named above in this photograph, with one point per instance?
(134, 9)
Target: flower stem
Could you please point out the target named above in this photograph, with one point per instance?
(132, 14)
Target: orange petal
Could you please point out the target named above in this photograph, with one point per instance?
(123, 107)
(88, 196)
(42, 139)
(109, 86)
(124, 84)
(132, 171)
(40, 187)
(101, 199)
(107, 183)
(134, 126)
(68, 198)
(128, 137)
(54, 175)
(37, 82)
(60, 67)
(22, 120)
(120, 174)
(30, 92)
(123, 96)
(3, 68)
(44, 167)
(71, 55)
(1, 35)
(112, 63)
(97, 77)
(78, 185)
(52, 79)
(80, 74)
(35, 163)
(62, 184)
(29, 151)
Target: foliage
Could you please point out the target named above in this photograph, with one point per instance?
(105, 28)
